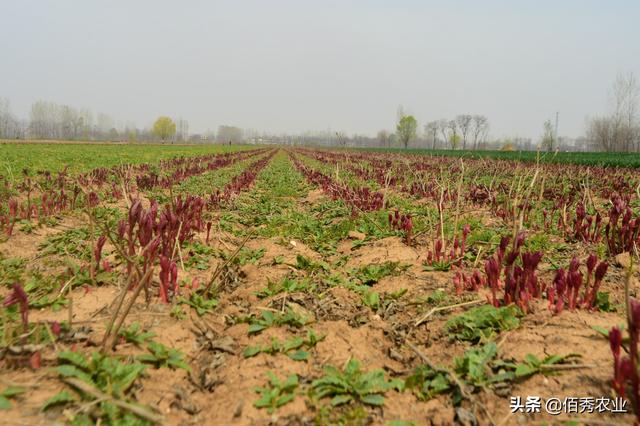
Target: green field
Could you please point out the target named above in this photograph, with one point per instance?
(604, 159)
(82, 157)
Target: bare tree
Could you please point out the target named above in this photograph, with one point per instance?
(341, 137)
(10, 127)
(619, 131)
(626, 95)
(453, 133)
(600, 134)
(431, 128)
(480, 129)
(464, 124)
(443, 125)
(548, 140)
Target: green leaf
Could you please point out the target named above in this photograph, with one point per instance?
(283, 399)
(74, 358)
(299, 355)
(67, 370)
(373, 399)
(524, 370)
(12, 391)
(63, 397)
(340, 399)
(294, 343)
(532, 359)
(251, 351)
(256, 328)
(5, 404)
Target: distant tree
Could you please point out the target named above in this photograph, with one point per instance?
(164, 128)
(406, 129)
(548, 137)
(464, 124)
(132, 135)
(454, 140)
(383, 138)
(231, 134)
(480, 129)
(113, 134)
(620, 129)
(432, 129)
(443, 125)
(9, 125)
(341, 137)
(507, 145)
(626, 92)
(393, 138)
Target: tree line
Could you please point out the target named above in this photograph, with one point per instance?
(48, 120)
(619, 129)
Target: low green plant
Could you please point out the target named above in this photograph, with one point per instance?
(246, 256)
(9, 393)
(482, 323)
(374, 272)
(533, 365)
(479, 367)
(107, 375)
(201, 304)
(306, 264)
(74, 242)
(177, 312)
(274, 319)
(134, 334)
(198, 256)
(291, 347)
(277, 392)
(161, 356)
(354, 385)
(288, 284)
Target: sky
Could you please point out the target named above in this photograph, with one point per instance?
(293, 66)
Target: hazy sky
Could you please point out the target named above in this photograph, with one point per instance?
(308, 65)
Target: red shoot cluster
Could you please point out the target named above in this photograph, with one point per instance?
(19, 297)
(168, 278)
(402, 222)
(625, 368)
(240, 182)
(359, 198)
(45, 195)
(567, 285)
(587, 228)
(454, 256)
(623, 230)
(156, 235)
(473, 282)
(521, 283)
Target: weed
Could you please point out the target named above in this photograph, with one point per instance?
(161, 356)
(271, 319)
(277, 392)
(483, 322)
(8, 393)
(134, 334)
(354, 385)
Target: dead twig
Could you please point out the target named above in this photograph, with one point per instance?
(98, 394)
(445, 308)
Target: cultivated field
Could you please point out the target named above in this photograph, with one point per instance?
(238, 285)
